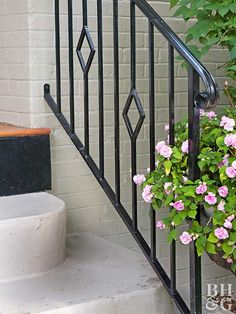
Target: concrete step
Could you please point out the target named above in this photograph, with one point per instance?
(98, 277)
(32, 234)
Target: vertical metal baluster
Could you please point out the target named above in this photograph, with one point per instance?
(172, 142)
(85, 13)
(116, 98)
(86, 87)
(58, 54)
(100, 87)
(71, 65)
(152, 129)
(194, 142)
(133, 44)
(133, 87)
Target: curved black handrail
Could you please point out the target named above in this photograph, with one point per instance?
(212, 93)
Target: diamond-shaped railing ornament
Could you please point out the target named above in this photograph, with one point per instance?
(85, 34)
(133, 132)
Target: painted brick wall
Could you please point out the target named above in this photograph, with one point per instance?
(14, 62)
(27, 61)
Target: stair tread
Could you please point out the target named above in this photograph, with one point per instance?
(9, 130)
(95, 273)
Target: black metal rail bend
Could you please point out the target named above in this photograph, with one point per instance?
(212, 92)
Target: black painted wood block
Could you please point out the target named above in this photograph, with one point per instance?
(25, 164)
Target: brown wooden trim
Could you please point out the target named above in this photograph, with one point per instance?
(9, 130)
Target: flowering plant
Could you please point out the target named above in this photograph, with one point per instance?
(168, 185)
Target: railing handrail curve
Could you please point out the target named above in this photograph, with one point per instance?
(212, 92)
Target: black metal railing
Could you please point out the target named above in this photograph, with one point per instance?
(196, 100)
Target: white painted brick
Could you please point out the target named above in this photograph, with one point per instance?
(16, 7)
(17, 39)
(9, 56)
(15, 104)
(42, 6)
(2, 40)
(2, 7)
(18, 71)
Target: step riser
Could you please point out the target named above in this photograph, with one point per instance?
(25, 165)
(31, 244)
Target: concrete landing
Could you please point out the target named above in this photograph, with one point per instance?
(98, 277)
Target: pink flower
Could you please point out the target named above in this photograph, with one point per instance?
(224, 162)
(223, 191)
(167, 186)
(179, 206)
(231, 172)
(166, 151)
(211, 115)
(228, 224)
(147, 194)
(185, 179)
(227, 123)
(221, 206)
(221, 233)
(139, 179)
(185, 238)
(231, 217)
(230, 140)
(202, 112)
(229, 260)
(167, 127)
(210, 198)
(160, 225)
(202, 188)
(234, 164)
(159, 146)
(184, 147)
(147, 189)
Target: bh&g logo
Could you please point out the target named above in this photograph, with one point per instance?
(219, 296)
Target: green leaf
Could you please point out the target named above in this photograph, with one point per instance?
(234, 224)
(172, 235)
(173, 3)
(183, 214)
(159, 195)
(212, 238)
(210, 247)
(212, 168)
(201, 164)
(233, 236)
(167, 165)
(233, 267)
(200, 245)
(177, 220)
(190, 193)
(223, 11)
(176, 153)
(220, 142)
(207, 229)
(192, 206)
(228, 249)
(192, 213)
(233, 53)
